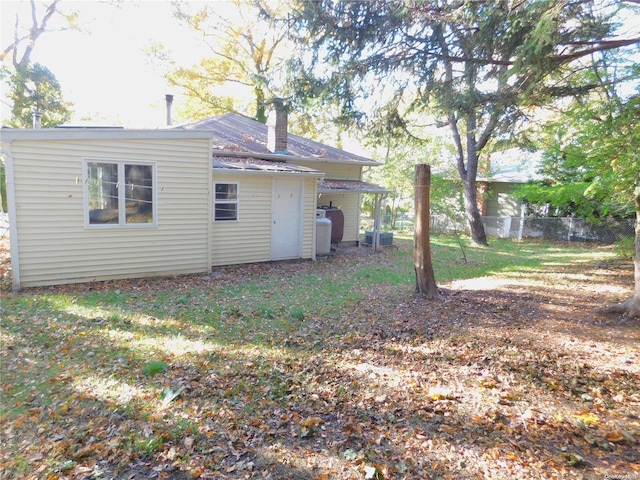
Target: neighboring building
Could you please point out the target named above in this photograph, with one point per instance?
(91, 204)
(499, 203)
(508, 170)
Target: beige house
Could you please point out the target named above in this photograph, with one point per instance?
(262, 211)
(341, 188)
(91, 204)
(98, 204)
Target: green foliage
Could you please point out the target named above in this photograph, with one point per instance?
(401, 156)
(625, 248)
(35, 88)
(247, 56)
(590, 165)
(477, 67)
(297, 313)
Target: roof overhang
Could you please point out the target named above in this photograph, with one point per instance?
(261, 166)
(291, 158)
(16, 134)
(349, 186)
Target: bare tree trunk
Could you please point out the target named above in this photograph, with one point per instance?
(261, 106)
(634, 304)
(631, 306)
(425, 278)
(478, 235)
(34, 32)
(468, 174)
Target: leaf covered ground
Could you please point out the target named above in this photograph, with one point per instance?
(332, 369)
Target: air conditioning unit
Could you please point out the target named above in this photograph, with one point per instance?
(384, 238)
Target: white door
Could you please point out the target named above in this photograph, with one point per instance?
(286, 219)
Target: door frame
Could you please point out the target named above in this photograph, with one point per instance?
(300, 208)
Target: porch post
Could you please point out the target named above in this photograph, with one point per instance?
(376, 222)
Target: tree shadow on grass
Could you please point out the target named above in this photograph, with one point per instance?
(386, 379)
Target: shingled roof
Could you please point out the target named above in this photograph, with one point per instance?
(237, 133)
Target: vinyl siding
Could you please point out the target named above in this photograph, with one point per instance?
(54, 245)
(309, 218)
(349, 203)
(248, 240)
(501, 202)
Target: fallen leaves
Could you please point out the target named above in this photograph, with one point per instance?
(441, 393)
(237, 377)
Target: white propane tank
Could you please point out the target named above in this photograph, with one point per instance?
(323, 233)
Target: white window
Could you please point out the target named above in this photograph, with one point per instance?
(119, 193)
(225, 202)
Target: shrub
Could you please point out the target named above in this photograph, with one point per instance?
(625, 248)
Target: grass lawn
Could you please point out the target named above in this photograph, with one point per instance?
(329, 369)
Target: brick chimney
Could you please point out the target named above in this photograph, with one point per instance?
(277, 125)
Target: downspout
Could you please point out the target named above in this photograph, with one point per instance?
(375, 242)
(13, 223)
(210, 214)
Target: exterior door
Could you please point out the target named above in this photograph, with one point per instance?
(286, 219)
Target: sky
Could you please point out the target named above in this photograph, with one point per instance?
(103, 69)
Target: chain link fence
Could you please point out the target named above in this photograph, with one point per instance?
(4, 225)
(549, 228)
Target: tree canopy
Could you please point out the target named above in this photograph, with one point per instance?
(481, 68)
(247, 52)
(33, 87)
(591, 165)
(590, 162)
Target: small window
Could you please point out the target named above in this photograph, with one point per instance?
(119, 193)
(226, 201)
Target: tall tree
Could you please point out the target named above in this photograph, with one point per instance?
(591, 164)
(247, 51)
(34, 87)
(480, 67)
(24, 38)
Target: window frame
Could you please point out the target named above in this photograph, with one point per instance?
(235, 202)
(122, 192)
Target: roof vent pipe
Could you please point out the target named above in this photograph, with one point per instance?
(37, 119)
(169, 99)
(277, 124)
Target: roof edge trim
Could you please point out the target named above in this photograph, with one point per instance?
(289, 158)
(11, 134)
